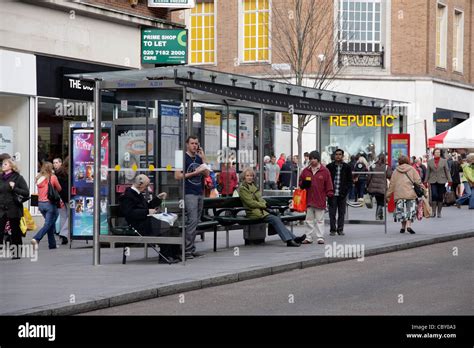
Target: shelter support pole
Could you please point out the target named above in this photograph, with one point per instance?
(97, 162)
(260, 148)
(187, 113)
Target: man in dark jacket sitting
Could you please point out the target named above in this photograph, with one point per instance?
(341, 174)
(136, 209)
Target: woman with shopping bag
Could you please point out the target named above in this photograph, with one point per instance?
(13, 192)
(402, 186)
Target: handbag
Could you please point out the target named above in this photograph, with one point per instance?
(53, 195)
(23, 226)
(419, 190)
(30, 223)
(299, 200)
(450, 197)
(368, 201)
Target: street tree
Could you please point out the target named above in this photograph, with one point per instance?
(304, 36)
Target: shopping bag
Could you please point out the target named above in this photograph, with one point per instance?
(368, 201)
(30, 223)
(419, 209)
(299, 200)
(426, 208)
(23, 227)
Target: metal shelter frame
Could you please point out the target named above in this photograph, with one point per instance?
(202, 85)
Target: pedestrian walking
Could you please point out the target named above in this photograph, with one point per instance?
(468, 182)
(456, 173)
(316, 180)
(377, 184)
(341, 175)
(401, 186)
(61, 170)
(48, 209)
(437, 175)
(13, 190)
(228, 180)
(272, 174)
(195, 172)
(360, 177)
(289, 173)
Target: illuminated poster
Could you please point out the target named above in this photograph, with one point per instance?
(131, 146)
(398, 145)
(82, 205)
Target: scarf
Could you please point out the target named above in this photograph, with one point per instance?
(7, 177)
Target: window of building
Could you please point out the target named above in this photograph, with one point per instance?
(360, 25)
(203, 49)
(458, 41)
(441, 35)
(255, 21)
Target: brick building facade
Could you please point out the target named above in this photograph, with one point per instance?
(411, 44)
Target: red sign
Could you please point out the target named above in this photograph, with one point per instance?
(398, 145)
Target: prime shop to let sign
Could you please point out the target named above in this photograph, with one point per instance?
(160, 46)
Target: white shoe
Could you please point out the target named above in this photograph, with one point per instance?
(34, 242)
(320, 241)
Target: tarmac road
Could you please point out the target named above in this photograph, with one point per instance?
(430, 280)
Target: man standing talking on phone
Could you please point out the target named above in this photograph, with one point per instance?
(195, 172)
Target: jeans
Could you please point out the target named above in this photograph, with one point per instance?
(337, 205)
(360, 187)
(270, 185)
(64, 221)
(467, 196)
(284, 233)
(193, 205)
(50, 213)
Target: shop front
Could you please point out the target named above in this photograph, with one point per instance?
(17, 91)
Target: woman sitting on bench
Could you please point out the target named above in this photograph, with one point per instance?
(256, 208)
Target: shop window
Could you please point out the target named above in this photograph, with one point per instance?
(202, 33)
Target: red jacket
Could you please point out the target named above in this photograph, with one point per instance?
(281, 161)
(321, 186)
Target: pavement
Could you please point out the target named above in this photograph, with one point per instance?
(64, 282)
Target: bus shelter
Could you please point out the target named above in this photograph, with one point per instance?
(142, 118)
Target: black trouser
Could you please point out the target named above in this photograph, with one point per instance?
(15, 227)
(337, 204)
(380, 198)
(154, 227)
(437, 192)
